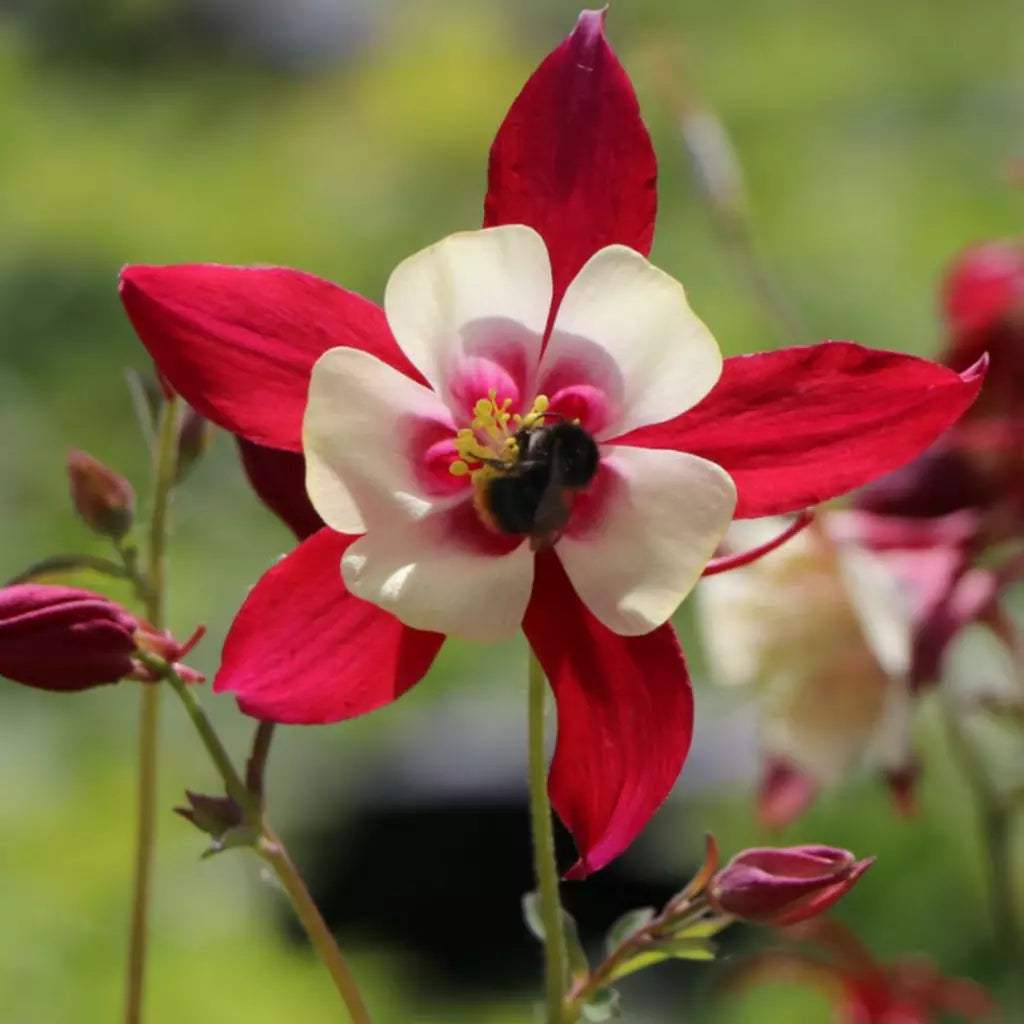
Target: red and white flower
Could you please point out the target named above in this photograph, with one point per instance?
(557, 304)
(404, 463)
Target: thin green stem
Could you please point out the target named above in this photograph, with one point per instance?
(149, 714)
(165, 462)
(272, 850)
(555, 970)
(233, 783)
(995, 818)
(249, 796)
(676, 917)
(145, 837)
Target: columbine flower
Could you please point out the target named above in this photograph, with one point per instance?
(411, 410)
(784, 885)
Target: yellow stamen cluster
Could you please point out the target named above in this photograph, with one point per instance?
(489, 445)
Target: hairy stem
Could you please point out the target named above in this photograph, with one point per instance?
(272, 850)
(555, 971)
(149, 715)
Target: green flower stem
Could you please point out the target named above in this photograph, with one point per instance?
(268, 845)
(272, 850)
(154, 595)
(555, 970)
(677, 916)
(233, 784)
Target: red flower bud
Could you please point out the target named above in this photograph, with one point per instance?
(783, 886)
(59, 638)
(104, 499)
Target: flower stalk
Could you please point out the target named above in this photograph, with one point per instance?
(273, 851)
(248, 794)
(154, 598)
(545, 867)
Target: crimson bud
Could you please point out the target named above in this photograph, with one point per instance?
(104, 499)
(784, 886)
(63, 639)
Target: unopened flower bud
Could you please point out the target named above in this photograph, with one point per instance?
(104, 499)
(63, 639)
(784, 886)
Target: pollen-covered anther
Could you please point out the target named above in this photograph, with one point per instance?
(489, 445)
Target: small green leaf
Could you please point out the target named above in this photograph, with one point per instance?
(689, 949)
(630, 923)
(578, 964)
(705, 929)
(531, 915)
(602, 1005)
(670, 949)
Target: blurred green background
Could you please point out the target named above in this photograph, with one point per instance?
(339, 136)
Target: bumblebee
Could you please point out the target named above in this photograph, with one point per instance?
(535, 494)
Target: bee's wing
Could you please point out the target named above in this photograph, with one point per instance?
(553, 510)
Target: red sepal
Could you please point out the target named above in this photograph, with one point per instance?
(802, 425)
(239, 343)
(572, 159)
(304, 650)
(625, 718)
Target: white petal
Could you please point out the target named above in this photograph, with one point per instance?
(360, 413)
(629, 324)
(881, 607)
(425, 578)
(665, 515)
(475, 294)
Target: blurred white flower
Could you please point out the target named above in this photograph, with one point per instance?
(823, 631)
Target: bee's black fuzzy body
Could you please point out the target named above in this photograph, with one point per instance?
(531, 496)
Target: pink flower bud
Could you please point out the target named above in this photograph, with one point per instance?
(60, 638)
(784, 886)
(104, 499)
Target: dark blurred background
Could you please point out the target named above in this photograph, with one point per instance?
(339, 136)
